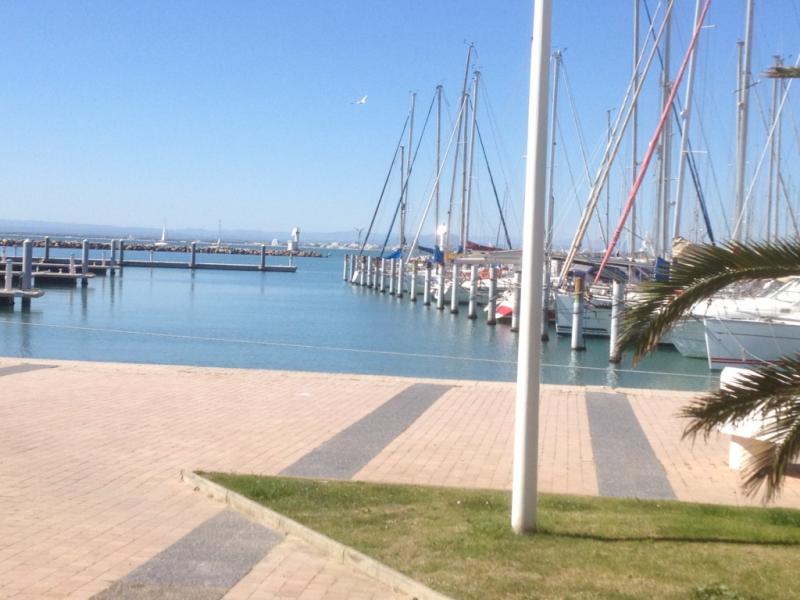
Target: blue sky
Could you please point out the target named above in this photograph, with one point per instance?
(128, 113)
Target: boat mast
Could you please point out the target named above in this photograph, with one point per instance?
(455, 154)
(634, 122)
(471, 154)
(664, 151)
(464, 165)
(438, 160)
(743, 96)
(548, 239)
(402, 200)
(773, 206)
(687, 111)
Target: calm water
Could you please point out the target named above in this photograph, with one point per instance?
(310, 320)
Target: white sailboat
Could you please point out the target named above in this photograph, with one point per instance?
(163, 241)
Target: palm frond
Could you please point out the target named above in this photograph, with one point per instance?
(782, 72)
(701, 272)
(772, 390)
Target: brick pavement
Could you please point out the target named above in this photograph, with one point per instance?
(90, 455)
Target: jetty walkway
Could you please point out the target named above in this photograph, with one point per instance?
(90, 455)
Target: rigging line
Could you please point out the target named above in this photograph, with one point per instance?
(197, 338)
(749, 194)
(494, 188)
(677, 109)
(385, 183)
(612, 148)
(651, 149)
(571, 176)
(582, 143)
(413, 161)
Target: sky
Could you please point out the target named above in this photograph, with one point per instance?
(134, 113)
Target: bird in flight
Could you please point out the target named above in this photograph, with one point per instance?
(362, 100)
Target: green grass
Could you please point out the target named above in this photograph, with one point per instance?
(459, 542)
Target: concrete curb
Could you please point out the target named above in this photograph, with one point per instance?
(269, 518)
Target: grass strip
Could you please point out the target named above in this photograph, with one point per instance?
(459, 541)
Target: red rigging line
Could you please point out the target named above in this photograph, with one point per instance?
(651, 148)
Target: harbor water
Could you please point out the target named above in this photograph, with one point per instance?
(309, 320)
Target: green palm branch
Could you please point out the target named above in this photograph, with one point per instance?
(701, 272)
(772, 390)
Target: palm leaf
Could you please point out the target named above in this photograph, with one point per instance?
(780, 72)
(701, 272)
(770, 389)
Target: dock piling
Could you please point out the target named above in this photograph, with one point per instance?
(391, 277)
(576, 342)
(112, 262)
(472, 310)
(382, 286)
(72, 264)
(369, 271)
(491, 311)
(9, 283)
(454, 291)
(85, 263)
(26, 282)
(46, 249)
(344, 268)
(121, 246)
(400, 284)
(617, 309)
(426, 288)
(361, 271)
(515, 305)
(412, 286)
(440, 276)
(263, 265)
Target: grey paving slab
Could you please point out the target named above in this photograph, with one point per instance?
(203, 564)
(23, 368)
(626, 465)
(346, 453)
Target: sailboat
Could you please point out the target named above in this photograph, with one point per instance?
(163, 241)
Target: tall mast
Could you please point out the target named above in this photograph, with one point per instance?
(743, 96)
(687, 111)
(608, 185)
(772, 198)
(471, 154)
(778, 175)
(438, 160)
(665, 147)
(548, 236)
(635, 122)
(458, 145)
(464, 165)
(402, 197)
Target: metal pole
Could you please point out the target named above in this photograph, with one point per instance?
(491, 311)
(440, 277)
(617, 309)
(9, 283)
(27, 265)
(85, 263)
(472, 310)
(772, 159)
(544, 334)
(412, 287)
(742, 113)
(577, 316)
(438, 158)
(516, 302)
(526, 418)
(400, 285)
(403, 192)
(426, 290)
(263, 257)
(548, 242)
(471, 155)
(454, 290)
(685, 119)
(634, 121)
(193, 255)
